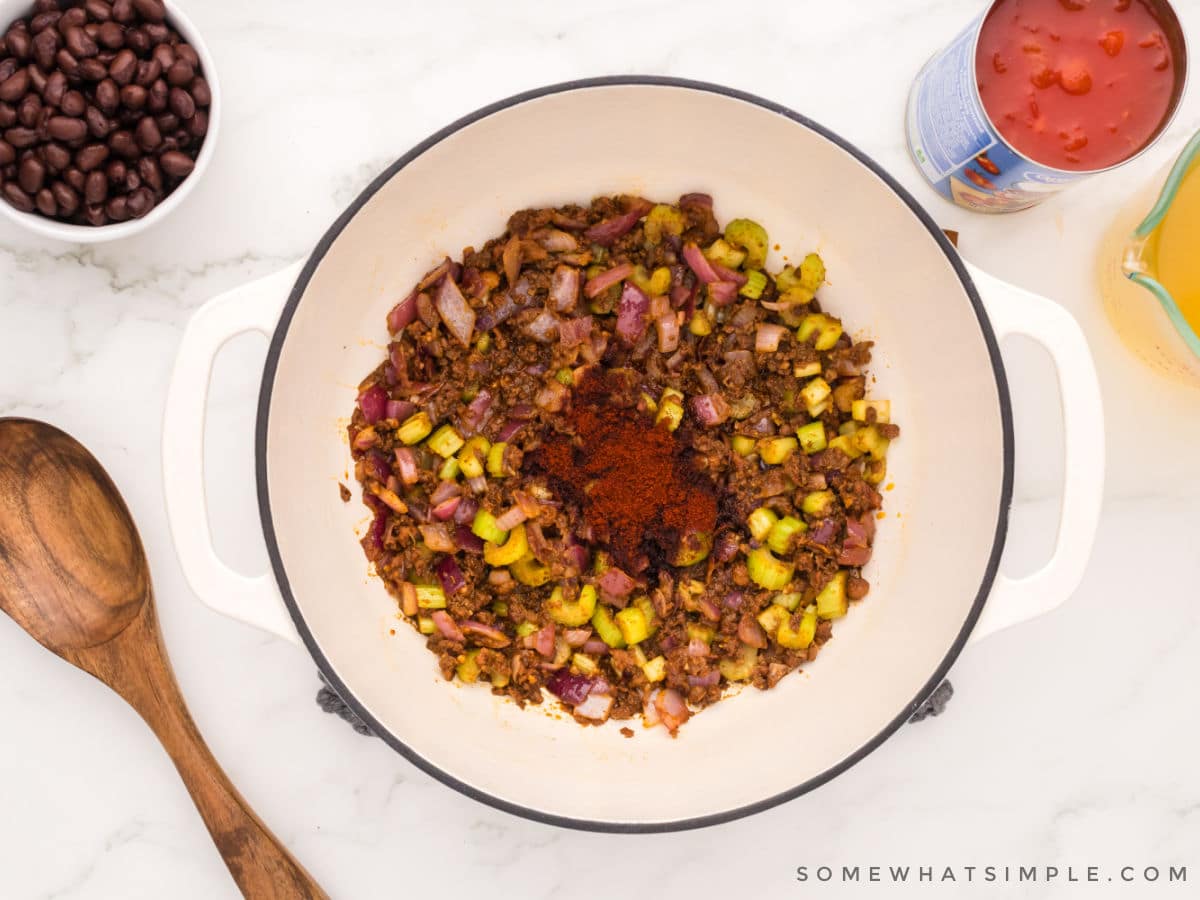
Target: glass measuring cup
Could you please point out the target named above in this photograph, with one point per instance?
(1151, 298)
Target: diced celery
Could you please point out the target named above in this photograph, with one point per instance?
(652, 284)
(484, 527)
(670, 409)
(430, 596)
(796, 297)
(760, 522)
(528, 571)
(484, 344)
(694, 547)
(495, 554)
(756, 283)
(525, 629)
(770, 618)
(661, 220)
(500, 679)
(807, 370)
(500, 608)
(743, 445)
(742, 668)
(583, 664)
(648, 403)
(812, 272)
(415, 428)
(723, 253)
(788, 600)
(565, 376)
(572, 614)
(847, 444)
(869, 440)
(818, 503)
(848, 428)
(643, 603)
(768, 572)
(831, 602)
(606, 628)
(425, 625)
(701, 324)
(876, 471)
(697, 632)
(639, 655)
(776, 450)
(801, 636)
(445, 442)
(883, 410)
(495, 459)
(655, 669)
(468, 669)
(633, 624)
(826, 328)
(812, 437)
(815, 395)
(752, 236)
(779, 538)
(448, 471)
(601, 562)
(472, 455)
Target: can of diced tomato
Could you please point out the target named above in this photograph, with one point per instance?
(1037, 94)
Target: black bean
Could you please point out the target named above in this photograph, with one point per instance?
(140, 202)
(92, 70)
(30, 111)
(31, 175)
(14, 87)
(8, 67)
(75, 17)
(95, 215)
(98, 10)
(21, 137)
(151, 173)
(80, 43)
(73, 104)
(56, 88)
(45, 45)
(7, 153)
(176, 164)
(99, 125)
(8, 115)
(147, 134)
(181, 103)
(91, 156)
(122, 143)
(17, 197)
(115, 171)
(148, 71)
(37, 79)
(197, 125)
(157, 32)
(44, 20)
(95, 188)
(66, 198)
(188, 54)
(122, 11)
(133, 96)
(159, 92)
(137, 40)
(20, 44)
(150, 10)
(123, 67)
(117, 209)
(68, 64)
(200, 91)
(67, 129)
(164, 54)
(108, 96)
(46, 203)
(57, 156)
(75, 178)
(110, 35)
(133, 181)
(180, 73)
(167, 122)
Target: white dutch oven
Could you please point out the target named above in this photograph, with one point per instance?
(894, 277)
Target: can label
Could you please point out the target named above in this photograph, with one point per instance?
(955, 145)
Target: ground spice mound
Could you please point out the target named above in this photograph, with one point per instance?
(637, 485)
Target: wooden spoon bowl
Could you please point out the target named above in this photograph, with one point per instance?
(74, 575)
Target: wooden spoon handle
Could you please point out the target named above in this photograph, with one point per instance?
(142, 674)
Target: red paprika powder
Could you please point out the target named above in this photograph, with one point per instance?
(639, 487)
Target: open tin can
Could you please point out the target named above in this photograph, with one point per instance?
(960, 150)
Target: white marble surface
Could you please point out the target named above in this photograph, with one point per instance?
(1071, 741)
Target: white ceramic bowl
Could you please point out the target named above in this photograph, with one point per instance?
(893, 276)
(10, 10)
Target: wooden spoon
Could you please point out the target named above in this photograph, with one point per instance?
(73, 574)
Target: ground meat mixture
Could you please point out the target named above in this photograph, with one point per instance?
(611, 457)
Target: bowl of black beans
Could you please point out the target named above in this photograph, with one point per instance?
(108, 115)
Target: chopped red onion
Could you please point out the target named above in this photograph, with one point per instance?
(577, 637)
(543, 327)
(522, 411)
(668, 332)
(681, 295)
(399, 410)
(508, 429)
(596, 707)
(767, 337)
(854, 556)
(437, 538)
(379, 466)
(733, 600)
(602, 282)
(552, 396)
(576, 556)
(426, 311)
(447, 626)
(543, 641)
(595, 647)
(564, 289)
(446, 509)
(562, 220)
(373, 403)
(607, 232)
(511, 518)
(450, 575)
(373, 540)
(403, 313)
(696, 199)
(631, 313)
(488, 635)
(724, 274)
(434, 275)
(466, 539)
(710, 409)
(856, 534)
(697, 648)
(477, 484)
(453, 308)
(466, 510)
(555, 241)
(709, 610)
(699, 264)
(708, 679)
(824, 534)
(659, 305)
(477, 409)
(750, 632)
(722, 293)
(570, 688)
(444, 491)
(672, 709)
(615, 584)
(572, 332)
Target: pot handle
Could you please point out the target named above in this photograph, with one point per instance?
(1016, 311)
(252, 307)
